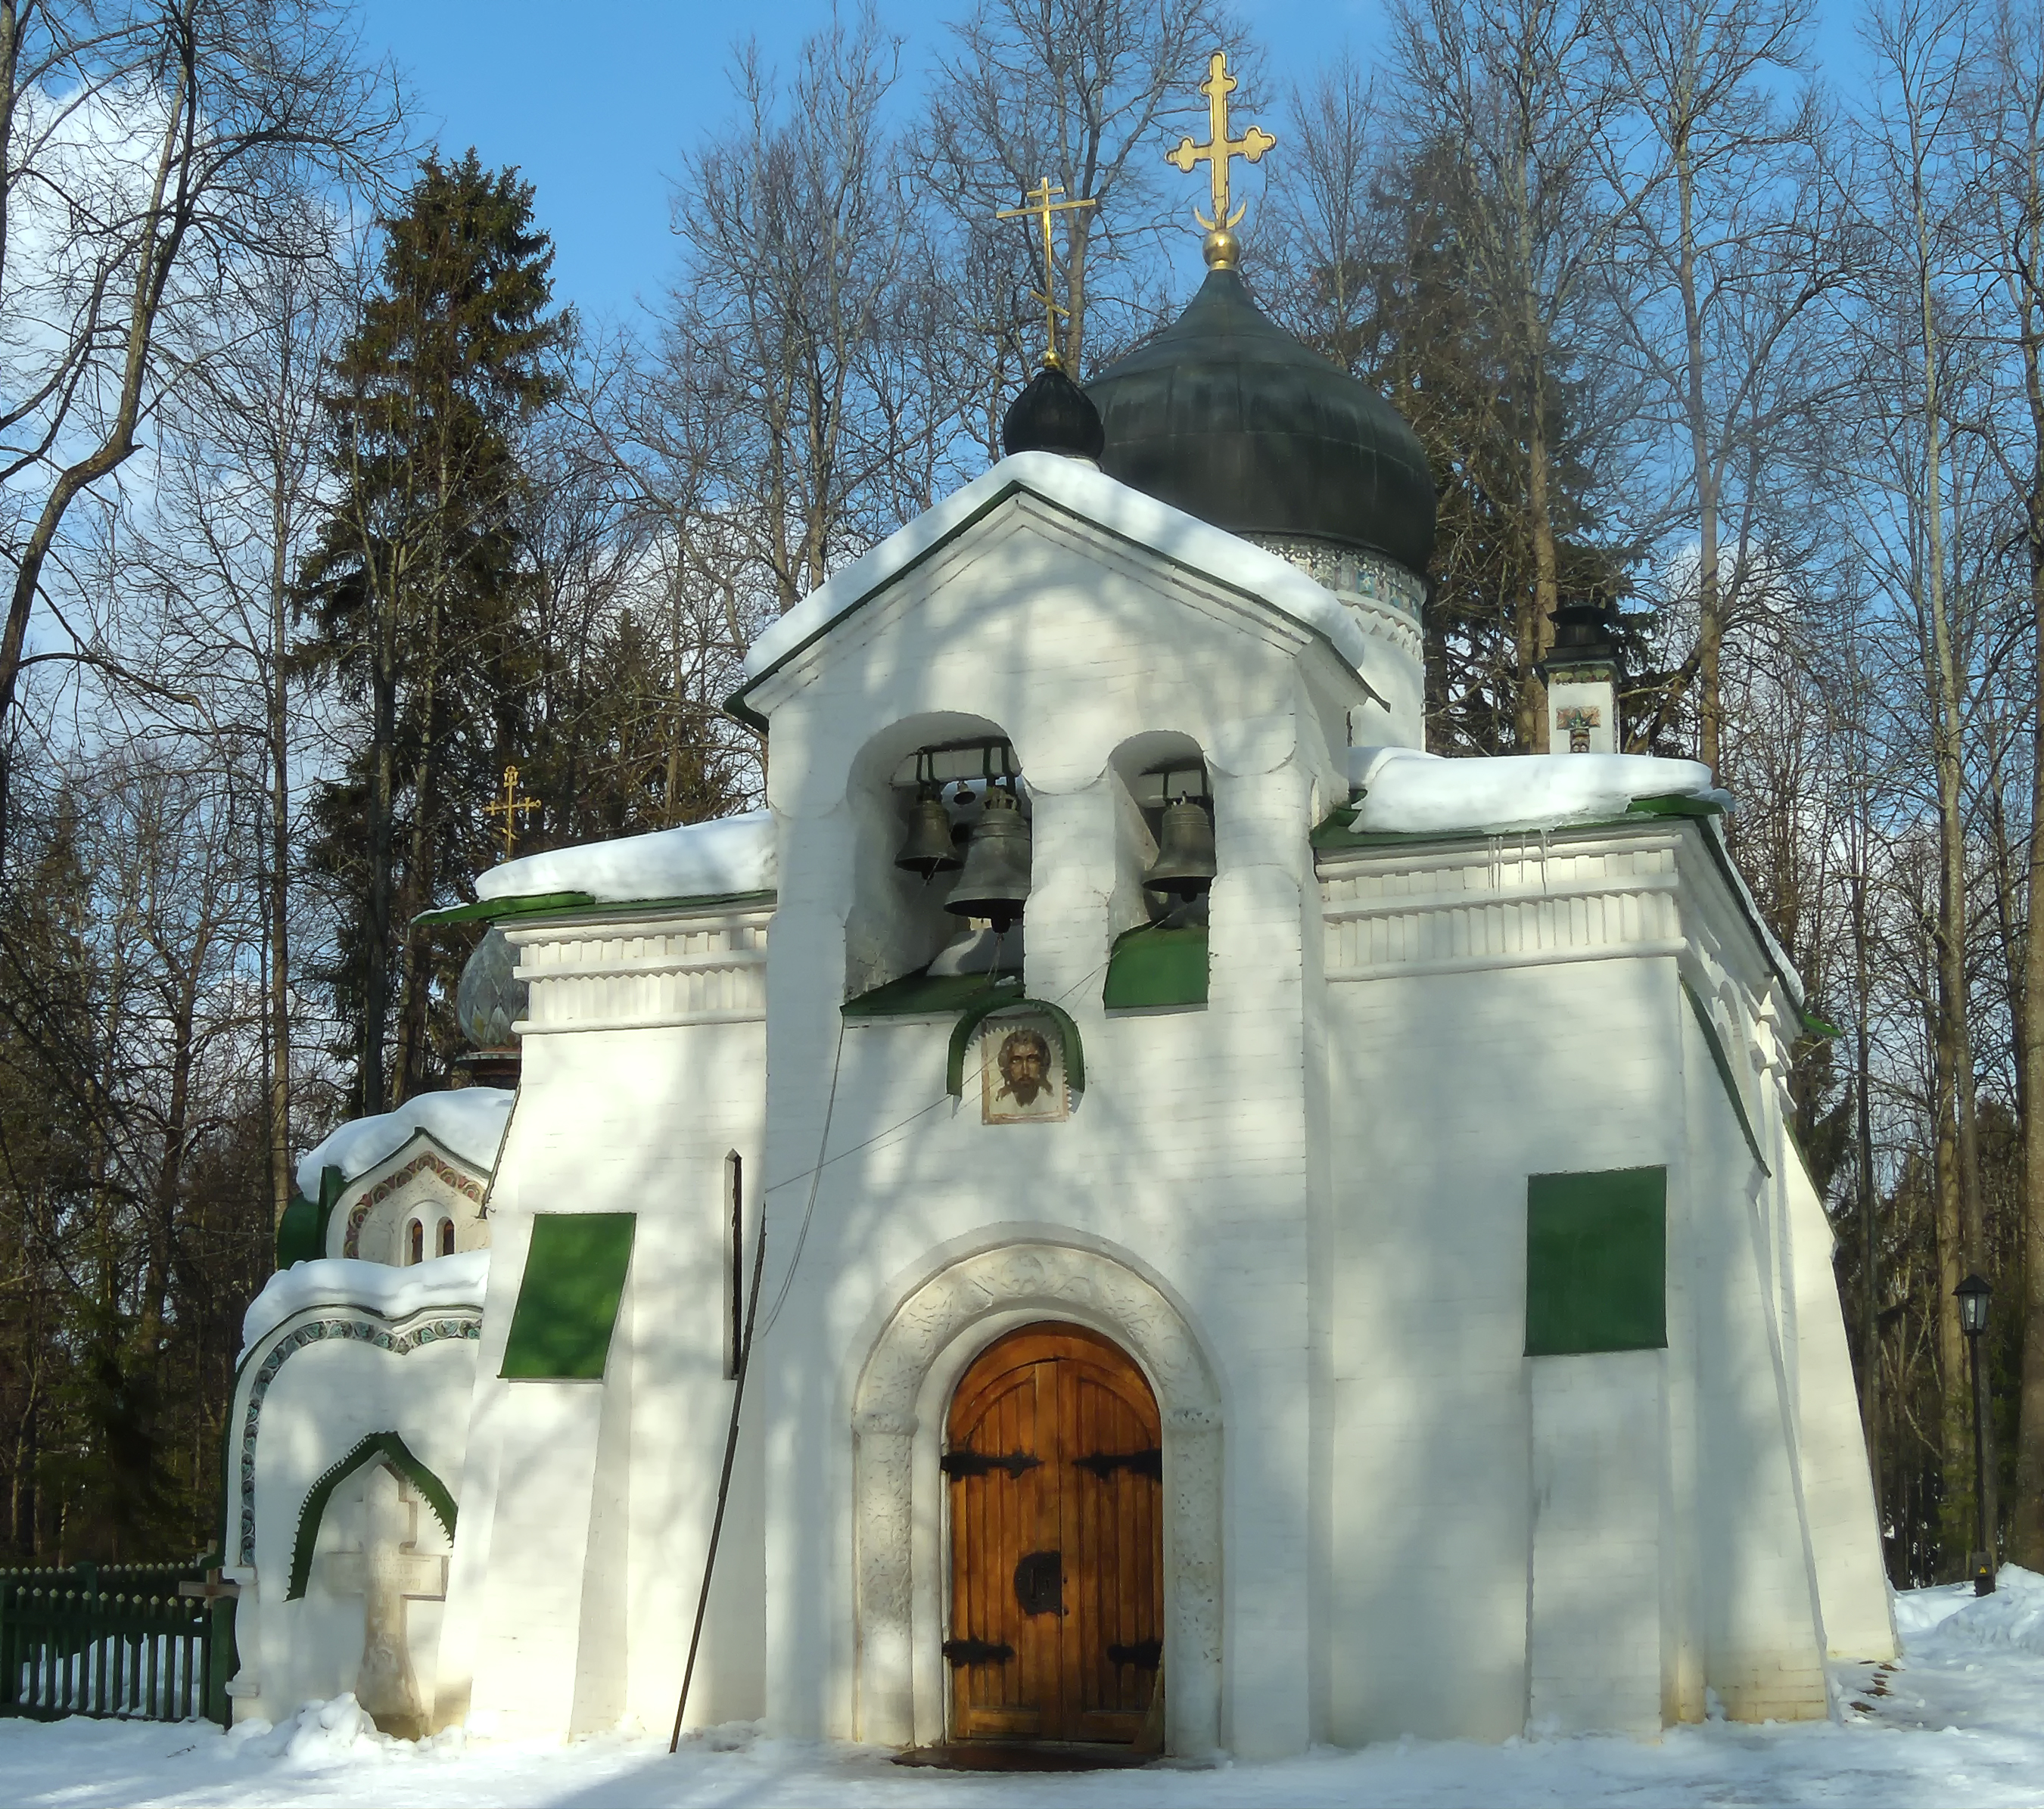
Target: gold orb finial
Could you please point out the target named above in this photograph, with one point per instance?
(1222, 249)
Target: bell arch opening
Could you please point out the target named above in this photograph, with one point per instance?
(941, 815)
(936, 1331)
(1164, 856)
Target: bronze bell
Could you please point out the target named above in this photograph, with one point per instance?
(928, 849)
(1185, 863)
(996, 879)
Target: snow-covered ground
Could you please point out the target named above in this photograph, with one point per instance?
(1959, 1721)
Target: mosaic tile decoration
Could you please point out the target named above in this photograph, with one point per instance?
(351, 1243)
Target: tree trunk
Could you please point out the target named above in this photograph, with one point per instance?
(278, 913)
(1869, 1192)
(1536, 634)
(376, 955)
(409, 1060)
(1960, 1243)
(1710, 613)
(2025, 1536)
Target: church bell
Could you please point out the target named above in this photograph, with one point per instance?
(996, 879)
(1185, 863)
(928, 849)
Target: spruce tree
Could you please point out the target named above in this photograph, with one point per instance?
(416, 586)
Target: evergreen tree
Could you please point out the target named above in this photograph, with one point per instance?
(416, 586)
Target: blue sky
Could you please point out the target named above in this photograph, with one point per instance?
(595, 102)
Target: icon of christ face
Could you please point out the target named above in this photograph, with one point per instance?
(1025, 1063)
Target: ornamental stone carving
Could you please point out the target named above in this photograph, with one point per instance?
(888, 1479)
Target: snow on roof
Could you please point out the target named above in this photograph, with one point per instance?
(698, 860)
(1405, 791)
(469, 1121)
(391, 1294)
(1086, 491)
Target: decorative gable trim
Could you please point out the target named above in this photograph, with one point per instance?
(1154, 530)
(426, 1160)
(392, 1450)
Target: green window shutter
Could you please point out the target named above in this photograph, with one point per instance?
(568, 1296)
(1154, 966)
(1596, 1261)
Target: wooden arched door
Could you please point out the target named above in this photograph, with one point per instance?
(1056, 1479)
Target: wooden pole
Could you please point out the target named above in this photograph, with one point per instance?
(724, 1483)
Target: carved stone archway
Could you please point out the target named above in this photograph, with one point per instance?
(898, 1487)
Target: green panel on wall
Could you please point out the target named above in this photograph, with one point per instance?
(567, 1299)
(1152, 965)
(1596, 1261)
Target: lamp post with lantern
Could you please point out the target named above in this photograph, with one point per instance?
(1972, 1295)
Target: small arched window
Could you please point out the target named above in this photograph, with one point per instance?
(447, 1237)
(418, 1242)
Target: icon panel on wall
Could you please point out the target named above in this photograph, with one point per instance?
(1022, 1079)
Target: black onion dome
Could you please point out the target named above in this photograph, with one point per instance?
(490, 998)
(1228, 416)
(1052, 415)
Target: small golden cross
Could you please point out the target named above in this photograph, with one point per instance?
(1218, 152)
(511, 807)
(1037, 205)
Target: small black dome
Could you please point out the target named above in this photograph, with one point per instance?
(1052, 415)
(1228, 416)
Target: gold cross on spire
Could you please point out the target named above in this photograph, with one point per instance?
(1037, 205)
(1222, 249)
(511, 807)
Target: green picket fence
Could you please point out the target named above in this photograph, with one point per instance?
(113, 1640)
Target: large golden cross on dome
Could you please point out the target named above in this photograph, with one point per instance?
(1218, 152)
(1037, 205)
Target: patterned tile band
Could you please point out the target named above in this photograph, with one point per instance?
(435, 1331)
(468, 1190)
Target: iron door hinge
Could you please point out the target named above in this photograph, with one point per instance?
(978, 1463)
(1103, 1464)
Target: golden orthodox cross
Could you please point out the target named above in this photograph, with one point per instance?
(511, 807)
(1037, 205)
(1218, 152)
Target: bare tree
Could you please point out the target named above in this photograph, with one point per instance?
(195, 127)
(1726, 251)
(778, 405)
(1082, 94)
(2011, 104)
(233, 511)
(1521, 90)
(1917, 139)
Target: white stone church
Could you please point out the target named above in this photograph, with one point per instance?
(1268, 1236)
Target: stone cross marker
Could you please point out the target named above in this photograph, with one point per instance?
(387, 1572)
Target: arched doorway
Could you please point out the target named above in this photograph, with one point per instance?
(1053, 1463)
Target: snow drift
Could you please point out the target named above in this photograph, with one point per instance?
(698, 860)
(390, 1293)
(1402, 790)
(469, 1121)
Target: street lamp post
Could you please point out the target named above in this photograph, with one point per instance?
(1972, 1294)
